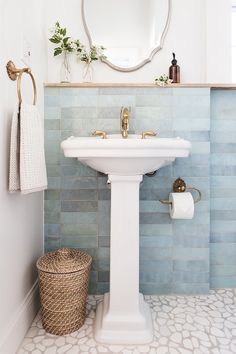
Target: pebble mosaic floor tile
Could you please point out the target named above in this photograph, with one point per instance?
(204, 324)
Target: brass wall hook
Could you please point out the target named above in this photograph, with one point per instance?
(16, 74)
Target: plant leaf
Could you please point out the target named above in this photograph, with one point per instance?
(54, 40)
(65, 40)
(57, 51)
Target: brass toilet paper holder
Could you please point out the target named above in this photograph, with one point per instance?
(179, 186)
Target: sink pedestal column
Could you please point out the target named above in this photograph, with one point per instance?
(124, 317)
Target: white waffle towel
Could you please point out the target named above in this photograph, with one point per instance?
(27, 171)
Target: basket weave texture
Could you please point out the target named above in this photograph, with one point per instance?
(63, 283)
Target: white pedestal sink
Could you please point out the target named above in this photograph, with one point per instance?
(124, 317)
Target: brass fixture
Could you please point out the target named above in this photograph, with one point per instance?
(163, 201)
(16, 74)
(148, 133)
(124, 122)
(199, 197)
(179, 186)
(100, 133)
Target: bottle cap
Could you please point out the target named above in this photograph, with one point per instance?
(174, 61)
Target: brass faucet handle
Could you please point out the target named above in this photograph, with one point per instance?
(100, 133)
(148, 133)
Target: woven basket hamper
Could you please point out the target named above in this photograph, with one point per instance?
(63, 285)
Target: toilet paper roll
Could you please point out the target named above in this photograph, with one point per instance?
(182, 206)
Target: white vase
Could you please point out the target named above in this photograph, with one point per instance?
(65, 68)
(88, 72)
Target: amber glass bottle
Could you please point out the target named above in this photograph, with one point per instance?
(174, 71)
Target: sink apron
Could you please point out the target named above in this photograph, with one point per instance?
(124, 317)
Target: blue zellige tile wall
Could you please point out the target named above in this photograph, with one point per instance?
(223, 189)
(174, 255)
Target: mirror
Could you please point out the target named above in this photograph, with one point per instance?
(132, 31)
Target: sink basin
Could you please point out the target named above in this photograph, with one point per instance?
(123, 317)
(131, 156)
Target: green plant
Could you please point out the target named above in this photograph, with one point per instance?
(67, 44)
(163, 80)
(78, 47)
(91, 54)
(59, 37)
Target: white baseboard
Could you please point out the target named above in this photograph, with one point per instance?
(20, 323)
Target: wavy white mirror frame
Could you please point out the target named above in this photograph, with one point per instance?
(157, 47)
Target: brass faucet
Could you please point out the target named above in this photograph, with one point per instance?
(124, 122)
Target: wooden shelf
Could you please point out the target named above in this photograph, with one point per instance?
(144, 85)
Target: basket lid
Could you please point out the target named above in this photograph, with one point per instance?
(64, 260)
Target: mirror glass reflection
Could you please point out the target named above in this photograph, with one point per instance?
(132, 31)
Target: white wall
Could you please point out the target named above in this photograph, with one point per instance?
(190, 36)
(218, 39)
(234, 42)
(21, 217)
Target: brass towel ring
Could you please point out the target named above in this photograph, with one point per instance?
(16, 74)
(19, 85)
